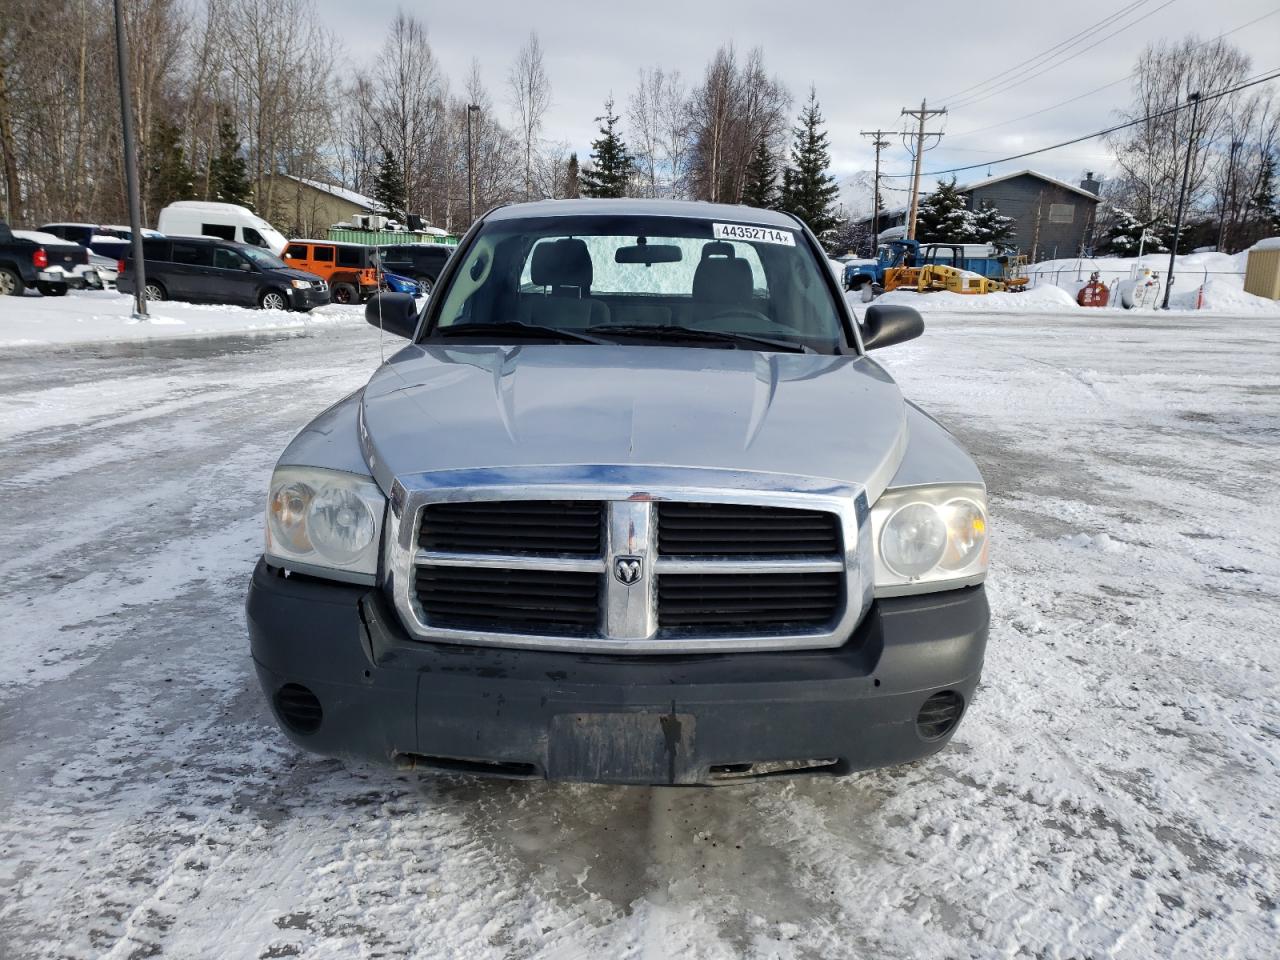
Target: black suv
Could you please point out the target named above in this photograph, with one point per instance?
(421, 262)
(219, 271)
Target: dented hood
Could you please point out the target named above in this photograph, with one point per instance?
(460, 407)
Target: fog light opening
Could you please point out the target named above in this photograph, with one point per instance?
(299, 708)
(939, 715)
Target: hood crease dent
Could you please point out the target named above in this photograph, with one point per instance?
(433, 407)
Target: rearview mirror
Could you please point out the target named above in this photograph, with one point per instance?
(393, 312)
(649, 254)
(888, 324)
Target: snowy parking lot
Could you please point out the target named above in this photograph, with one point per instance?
(1112, 793)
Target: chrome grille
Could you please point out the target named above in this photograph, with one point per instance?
(737, 529)
(749, 601)
(547, 527)
(521, 600)
(629, 560)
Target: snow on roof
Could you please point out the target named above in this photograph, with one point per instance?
(1270, 243)
(968, 187)
(37, 237)
(342, 193)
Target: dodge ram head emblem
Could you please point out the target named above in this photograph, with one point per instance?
(628, 570)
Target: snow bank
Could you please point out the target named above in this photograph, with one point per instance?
(1055, 283)
(1044, 298)
(89, 316)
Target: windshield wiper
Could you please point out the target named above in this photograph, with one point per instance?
(693, 333)
(513, 328)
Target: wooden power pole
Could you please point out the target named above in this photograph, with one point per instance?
(879, 142)
(921, 115)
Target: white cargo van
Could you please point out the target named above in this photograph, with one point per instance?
(226, 221)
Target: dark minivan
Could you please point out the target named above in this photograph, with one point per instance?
(421, 262)
(219, 271)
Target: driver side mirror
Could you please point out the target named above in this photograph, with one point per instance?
(393, 312)
(246, 266)
(888, 324)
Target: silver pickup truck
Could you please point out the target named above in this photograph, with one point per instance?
(632, 505)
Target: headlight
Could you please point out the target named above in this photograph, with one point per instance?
(301, 284)
(324, 522)
(929, 539)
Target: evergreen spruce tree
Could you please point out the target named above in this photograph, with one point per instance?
(1266, 206)
(991, 226)
(169, 175)
(572, 188)
(228, 173)
(808, 190)
(1123, 237)
(388, 187)
(610, 170)
(943, 217)
(761, 189)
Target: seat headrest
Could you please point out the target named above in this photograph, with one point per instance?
(723, 280)
(717, 248)
(563, 263)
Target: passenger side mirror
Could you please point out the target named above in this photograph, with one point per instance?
(885, 325)
(393, 312)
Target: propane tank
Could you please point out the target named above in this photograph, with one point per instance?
(1094, 293)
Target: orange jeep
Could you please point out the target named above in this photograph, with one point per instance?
(349, 268)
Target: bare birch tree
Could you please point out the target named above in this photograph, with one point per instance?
(531, 96)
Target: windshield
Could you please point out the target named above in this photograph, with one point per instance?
(265, 260)
(661, 277)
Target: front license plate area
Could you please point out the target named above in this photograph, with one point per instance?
(621, 747)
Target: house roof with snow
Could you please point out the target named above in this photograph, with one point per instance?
(990, 181)
(341, 193)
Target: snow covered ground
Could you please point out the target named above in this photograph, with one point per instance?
(88, 316)
(1210, 283)
(1111, 794)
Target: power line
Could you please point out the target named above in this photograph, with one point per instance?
(1089, 136)
(1051, 51)
(1027, 76)
(1105, 86)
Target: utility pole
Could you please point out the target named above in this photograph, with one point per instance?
(879, 142)
(1194, 100)
(921, 115)
(131, 171)
(472, 108)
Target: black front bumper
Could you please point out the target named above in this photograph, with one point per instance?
(371, 692)
(308, 299)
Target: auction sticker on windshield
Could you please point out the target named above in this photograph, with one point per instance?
(738, 231)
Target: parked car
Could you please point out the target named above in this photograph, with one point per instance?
(398, 284)
(68, 261)
(421, 261)
(349, 268)
(225, 221)
(633, 504)
(111, 241)
(218, 271)
(25, 263)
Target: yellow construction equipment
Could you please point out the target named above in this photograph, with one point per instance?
(935, 276)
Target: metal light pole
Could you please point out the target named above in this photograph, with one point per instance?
(1194, 100)
(130, 169)
(472, 108)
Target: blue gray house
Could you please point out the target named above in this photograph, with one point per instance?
(1054, 218)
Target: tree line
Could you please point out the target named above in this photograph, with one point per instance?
(229, 95)
(1233, 150)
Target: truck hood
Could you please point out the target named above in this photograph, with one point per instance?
(461, 407)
